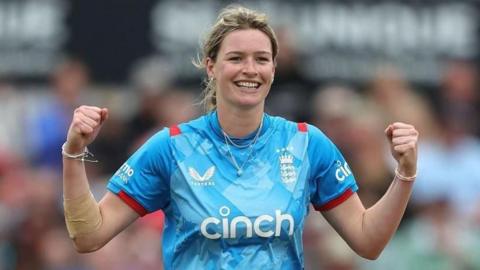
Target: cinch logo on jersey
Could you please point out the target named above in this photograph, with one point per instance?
(228, 227)
(343, 171)
(202, 180)
(125, 172)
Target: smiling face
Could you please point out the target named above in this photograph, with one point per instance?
(244, 69)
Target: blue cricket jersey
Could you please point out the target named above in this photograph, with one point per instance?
(217, 219)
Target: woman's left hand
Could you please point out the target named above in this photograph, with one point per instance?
(403, 140)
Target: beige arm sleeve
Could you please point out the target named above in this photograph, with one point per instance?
(82, 215)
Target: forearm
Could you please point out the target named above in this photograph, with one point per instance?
(75, 181)
(90, 224)
(380, 221)
(82, 212)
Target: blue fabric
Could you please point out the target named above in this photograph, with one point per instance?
(216, 219)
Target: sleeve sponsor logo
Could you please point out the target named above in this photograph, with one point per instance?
(125, 172)
(343, 171)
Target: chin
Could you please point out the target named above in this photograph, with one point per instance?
(250, 98)
(249, 103)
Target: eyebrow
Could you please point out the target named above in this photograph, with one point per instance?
(257, 52)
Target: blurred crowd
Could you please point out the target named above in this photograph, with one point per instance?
(441, 229)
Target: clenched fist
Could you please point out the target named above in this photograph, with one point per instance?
(86, 123)
(403, 140)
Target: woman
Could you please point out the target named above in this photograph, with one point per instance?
(235, 184)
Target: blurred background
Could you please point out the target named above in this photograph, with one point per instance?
(348, 67)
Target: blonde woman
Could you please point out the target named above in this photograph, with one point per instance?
(236, 183)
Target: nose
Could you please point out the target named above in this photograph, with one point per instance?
(250, 67)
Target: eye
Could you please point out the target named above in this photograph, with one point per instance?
(234, 59)
(263, 60)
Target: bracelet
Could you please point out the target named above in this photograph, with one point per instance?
(84, 156)
(405, 178)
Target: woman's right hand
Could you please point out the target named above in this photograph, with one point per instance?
(86, 123)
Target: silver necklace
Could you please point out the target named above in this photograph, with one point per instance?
(229, 141)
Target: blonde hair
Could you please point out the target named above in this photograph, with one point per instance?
(231, 18)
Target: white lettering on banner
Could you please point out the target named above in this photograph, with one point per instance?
(230, 227)
(343, 38)
(32, 34)
(390, 28)
(343, 171)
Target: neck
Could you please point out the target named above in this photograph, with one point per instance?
(239, 122)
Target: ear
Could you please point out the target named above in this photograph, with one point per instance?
(209, 64)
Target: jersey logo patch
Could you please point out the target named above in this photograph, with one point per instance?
(202, 180)
(288, 172)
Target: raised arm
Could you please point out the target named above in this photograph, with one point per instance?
(90, 224)
(367, 231)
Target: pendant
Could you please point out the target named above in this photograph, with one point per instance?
(239, 172)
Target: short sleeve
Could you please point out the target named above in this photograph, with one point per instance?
(143, 180)
(332, 181)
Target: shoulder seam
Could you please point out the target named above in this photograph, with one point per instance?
(174, 130)
(302, 127)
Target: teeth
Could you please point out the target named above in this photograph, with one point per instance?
(248, 84)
